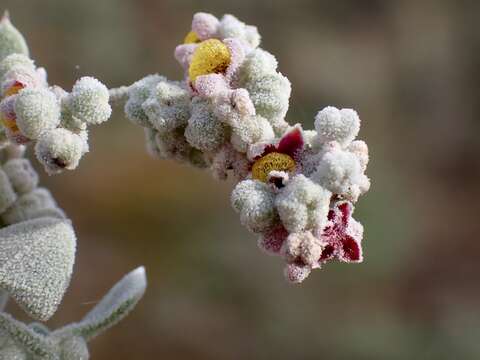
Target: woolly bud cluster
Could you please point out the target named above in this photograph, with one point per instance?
(296, 188)
(33, 111)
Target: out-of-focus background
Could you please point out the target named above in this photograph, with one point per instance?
(410, 68)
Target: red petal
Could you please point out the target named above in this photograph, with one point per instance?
(331, 215)
(327, 253)
(267, 150)
(346, 210)
(351, 250)
(291, 143)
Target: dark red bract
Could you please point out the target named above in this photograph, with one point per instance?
(341, 237)
(291, 144)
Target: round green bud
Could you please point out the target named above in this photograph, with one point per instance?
(14, 60)
(89, 101)
(37, 111)
(59, 149)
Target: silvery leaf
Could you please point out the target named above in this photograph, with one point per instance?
(119, 301)
(24, 338)
(36, 261)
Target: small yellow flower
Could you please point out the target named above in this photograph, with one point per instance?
(270, 162)
(191, 38)
(211, 56)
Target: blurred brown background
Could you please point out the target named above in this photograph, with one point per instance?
(411, 69)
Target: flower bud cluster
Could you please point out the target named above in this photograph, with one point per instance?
(20, 197)
(32, 111)
(296, 188)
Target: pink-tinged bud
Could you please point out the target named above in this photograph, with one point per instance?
(204, 25)
(296, 273)
(8, 119)
(211, 85)
(183, 54)
(237, 54)
(242, 102)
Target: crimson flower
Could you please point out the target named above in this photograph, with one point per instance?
(282, 156)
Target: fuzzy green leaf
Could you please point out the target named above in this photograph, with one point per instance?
(36, 261)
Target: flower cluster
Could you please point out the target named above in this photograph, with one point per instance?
(33, 111)
(296, 188)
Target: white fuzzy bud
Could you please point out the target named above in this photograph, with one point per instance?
(303, 205)
(168, 106)
(231, 27)
(59, 149)
(338, 171)
(15, 60)
(24, 75)
(304, 247)
(37, 111)
(360, 149)
(89, 101)
(251, 130)
(204, 130)
(138, 93)
(333, 124)
(11, 40)
(21, 174)
(255, 201)
(270, 95)
(257, 64)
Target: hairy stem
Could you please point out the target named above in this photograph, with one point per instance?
(119, 95)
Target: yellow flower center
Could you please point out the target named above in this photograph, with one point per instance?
(211, 56)
(270, 162)
(191, 38)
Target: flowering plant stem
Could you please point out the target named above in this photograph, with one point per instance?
(118, 96)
